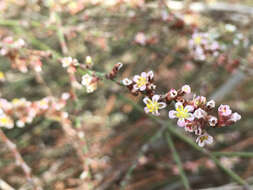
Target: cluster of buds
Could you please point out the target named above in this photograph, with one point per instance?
(142, 83)
(195, 114)
(10, 48)
(20, 112)
(203, 44)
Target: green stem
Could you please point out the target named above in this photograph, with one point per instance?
(234, 154)
(176, 157)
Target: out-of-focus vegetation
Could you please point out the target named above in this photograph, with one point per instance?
(107, 142)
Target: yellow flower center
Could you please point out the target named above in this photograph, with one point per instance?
(181, 112)
(1, 75)
(15, 101)
(198, 40)
(152, 106)
(141, 82)
(203, 138)
(4, 120)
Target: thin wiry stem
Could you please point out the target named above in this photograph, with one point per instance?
(177, 159)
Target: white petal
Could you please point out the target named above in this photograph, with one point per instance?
(135, 87)
(181, 122)
(143, 74)
(178, 104)
(155, 98)
(156, 113)
(136, 78)
(189, 108)
(142, 88)
(191, 117)
(161, 105)
(209, 140)
(150, 74)
(172, 114)
(146, 100)
(146, 110)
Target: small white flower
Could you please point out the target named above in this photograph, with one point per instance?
(204, 139)
(127, 82)
(173, 93)
(6, 121)
(86, 79)
(182, 113)
(141, 81)
(230, 27)
(199, 113)
(224, 110)
(65, 96)
(66, 61)
(199, 100)
(20, 124)
(150, 75)
(152, 106)
(235, 117)
(186, 89)
(89, 61)
(119, 65)
(210, 104)
(88, 83)
(212, 120)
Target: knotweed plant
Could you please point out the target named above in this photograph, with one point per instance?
(195, 115)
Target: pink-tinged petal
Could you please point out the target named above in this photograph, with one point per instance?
(189, 108)
(143, 74)
(155, 98)
(135, 87)
(181, 122)
(136, 78)
(201, 143)
(178, 104)
(150, 74)
(146, 100)
(191, 117)
(156, 113)
(142, 88)
(209, 140)
(146, 110)
(172, 114)
(161, 105)
(186, 89)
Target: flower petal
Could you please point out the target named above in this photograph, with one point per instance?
(172, 114)
(143, 87)
(143, 74)
(150, 74)
(146, 100)
(181, 122)
(136, 78)
(189, 108)
(178, 104)
(161, 105)
(190, 117)
(146, 110)
(155, 98)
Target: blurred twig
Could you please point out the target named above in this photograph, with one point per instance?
(5, 186)
(177, 159)
(19, 160)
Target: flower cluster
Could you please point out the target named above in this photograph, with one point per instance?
(195, 114)
(203, 44)
(142, 83)
(10, 48)
(20, 112)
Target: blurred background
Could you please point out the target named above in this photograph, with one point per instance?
(119, 147)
